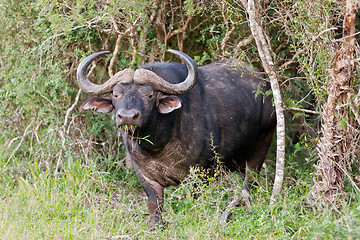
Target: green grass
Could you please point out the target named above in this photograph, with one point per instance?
(80, 202)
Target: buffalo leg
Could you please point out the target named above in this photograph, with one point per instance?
(155, 193)
(256, 160)
(254, 163)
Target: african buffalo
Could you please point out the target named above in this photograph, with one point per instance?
(215, 104)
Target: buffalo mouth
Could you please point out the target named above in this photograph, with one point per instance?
(131, 132)
(129, 129)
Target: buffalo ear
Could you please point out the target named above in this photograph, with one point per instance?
(98, 104)
(168, 103)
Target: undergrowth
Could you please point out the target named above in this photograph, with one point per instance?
(83, 202)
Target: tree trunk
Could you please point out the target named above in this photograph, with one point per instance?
(264, 52)
(339, 134)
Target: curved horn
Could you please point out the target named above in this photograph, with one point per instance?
(143, 75)
(87, 86)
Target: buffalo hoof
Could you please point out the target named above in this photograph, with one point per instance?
(156, 223)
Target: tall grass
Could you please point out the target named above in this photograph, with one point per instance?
(81, 202)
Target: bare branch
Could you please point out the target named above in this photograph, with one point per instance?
(354, 109)
(303, 110)
(322, 32)
(244, 42)
(180, 30)
(67, 115)
(116, 52)
(227, 37)
(199, 25)
(26, 132)
(133, 43)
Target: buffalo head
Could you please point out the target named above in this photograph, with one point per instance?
(135, 96)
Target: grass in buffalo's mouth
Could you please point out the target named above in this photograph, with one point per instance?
(129, 129)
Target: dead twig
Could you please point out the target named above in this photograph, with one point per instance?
(303, 110)
(62, 131)
(243, 43)
(354, 109)
(237, 200)
(21, 138)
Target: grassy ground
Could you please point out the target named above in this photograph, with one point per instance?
(82, 203)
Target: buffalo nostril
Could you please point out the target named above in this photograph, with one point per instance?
(129, 117)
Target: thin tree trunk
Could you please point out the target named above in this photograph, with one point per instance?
(265, 56)
(339, 134)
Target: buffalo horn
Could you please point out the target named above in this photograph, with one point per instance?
(87, 86)
(147, 76)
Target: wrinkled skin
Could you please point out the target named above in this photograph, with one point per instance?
(221, 106)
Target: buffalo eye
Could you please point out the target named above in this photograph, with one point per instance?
(115, 95)
(150, 96)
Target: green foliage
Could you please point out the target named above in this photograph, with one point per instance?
(311, 21)
(191, 9)
(308, 27)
